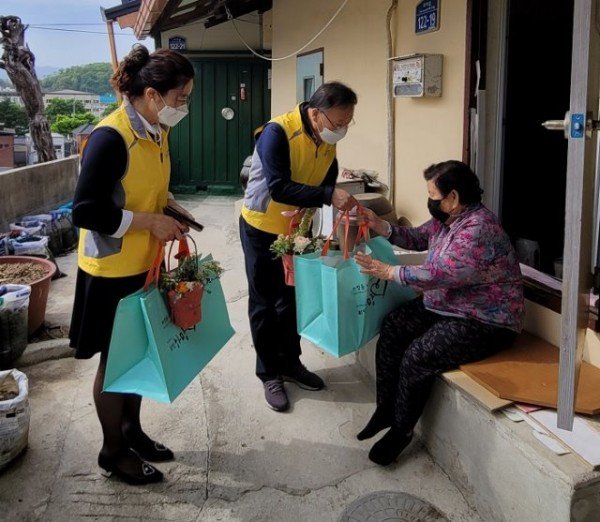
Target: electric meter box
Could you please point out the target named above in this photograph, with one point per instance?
(417, 75)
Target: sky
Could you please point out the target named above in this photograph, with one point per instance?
(61, 49)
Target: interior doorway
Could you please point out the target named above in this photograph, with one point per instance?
(537, 74)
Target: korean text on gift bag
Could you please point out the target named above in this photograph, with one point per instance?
(152, 357)
(337, 307)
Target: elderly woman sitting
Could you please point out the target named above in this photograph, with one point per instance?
(471, 305)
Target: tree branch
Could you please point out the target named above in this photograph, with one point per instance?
(19, 61)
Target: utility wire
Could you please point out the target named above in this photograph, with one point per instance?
(67, 24)
(232, 20)
(74, 30)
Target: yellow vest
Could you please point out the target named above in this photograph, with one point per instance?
(309, 166)
(144, 188)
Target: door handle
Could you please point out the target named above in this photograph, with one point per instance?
(574, 125)
(228, 113)
(559, 125)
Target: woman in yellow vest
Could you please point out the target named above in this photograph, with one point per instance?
(122, 189)
(293, 166)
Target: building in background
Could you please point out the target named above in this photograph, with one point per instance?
(81, 135)
(21, 151)
(91, 101)
(94, 103)
(7, 148)
(106, 100)
(6, 93)
(63, 147)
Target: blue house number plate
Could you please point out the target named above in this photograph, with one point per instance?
(427, 16)
(177, 43)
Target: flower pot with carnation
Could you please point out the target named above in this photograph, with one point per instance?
(295, 242)
(184, 286)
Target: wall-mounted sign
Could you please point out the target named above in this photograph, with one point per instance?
(177, 43)
(427, 16)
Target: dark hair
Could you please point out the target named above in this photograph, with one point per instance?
(332, 94)
(455, 175)
(163, 70)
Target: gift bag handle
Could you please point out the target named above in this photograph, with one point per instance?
(363, 231)
(345, 214)
(296, 217)
(363, 228)
(183, 250)
(154, 272)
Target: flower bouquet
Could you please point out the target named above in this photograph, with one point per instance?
(296, 242)
(184, 286)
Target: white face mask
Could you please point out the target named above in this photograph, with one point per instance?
(332, 137)
(171, 116)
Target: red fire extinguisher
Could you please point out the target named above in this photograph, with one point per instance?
(243, 91)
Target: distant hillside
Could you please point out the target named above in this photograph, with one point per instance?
(93, 77)
(42, 71)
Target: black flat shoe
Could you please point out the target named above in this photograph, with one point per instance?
(387, 449)
(147, 448)
(144, 474)
(153, 451)
(380, 420)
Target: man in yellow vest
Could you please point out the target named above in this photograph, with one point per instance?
(293, 166)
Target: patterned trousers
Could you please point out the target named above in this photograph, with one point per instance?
(415, 345)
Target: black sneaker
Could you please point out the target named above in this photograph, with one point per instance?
(275, 395)
(305, 379)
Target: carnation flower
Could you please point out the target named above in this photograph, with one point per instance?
(300, 244)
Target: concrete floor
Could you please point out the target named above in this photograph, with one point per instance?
(236, 460)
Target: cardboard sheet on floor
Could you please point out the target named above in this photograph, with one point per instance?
(528, 372)
(487, 399)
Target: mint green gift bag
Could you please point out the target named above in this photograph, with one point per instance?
(338, 308)
(152, 357)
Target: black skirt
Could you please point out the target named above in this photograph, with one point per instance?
(94, 308)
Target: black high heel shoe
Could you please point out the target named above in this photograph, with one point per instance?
(146, 474)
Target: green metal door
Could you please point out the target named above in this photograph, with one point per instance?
(230, 99)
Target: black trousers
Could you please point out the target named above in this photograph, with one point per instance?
(271, 305)
(415, 345)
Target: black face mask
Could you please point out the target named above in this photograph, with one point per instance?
(434, 209)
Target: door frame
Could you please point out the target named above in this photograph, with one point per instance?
(490, 146)
(581, 169)
(583, 177)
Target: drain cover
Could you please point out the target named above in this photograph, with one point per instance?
(389, 506)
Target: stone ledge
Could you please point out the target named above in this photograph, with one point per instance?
(500, 467)
(42, 351)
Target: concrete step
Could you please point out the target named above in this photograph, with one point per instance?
(500, 467)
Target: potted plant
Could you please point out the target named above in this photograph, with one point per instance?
(184, 287)
(296, 242)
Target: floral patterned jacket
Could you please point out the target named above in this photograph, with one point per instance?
(471, 268)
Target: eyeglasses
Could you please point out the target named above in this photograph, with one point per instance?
(338, 126)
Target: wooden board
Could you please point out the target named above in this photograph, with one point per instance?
(470, 387)
(528, 372)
